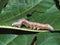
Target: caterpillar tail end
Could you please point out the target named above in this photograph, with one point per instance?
(51, 28)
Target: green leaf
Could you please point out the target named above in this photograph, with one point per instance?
(44, 11)
(48, 39)
(16, 9)
(11, 39)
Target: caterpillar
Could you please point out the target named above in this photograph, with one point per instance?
(32, 25)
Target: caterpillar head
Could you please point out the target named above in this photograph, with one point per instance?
(16, 24)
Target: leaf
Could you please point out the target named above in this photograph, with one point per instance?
(14, 10)
(42, 11)
(48, 39)
(10, 39)
(46, 12)
(45, 9)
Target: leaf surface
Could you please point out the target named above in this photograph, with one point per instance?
(48, 39)
(11, 39)
(44, 11)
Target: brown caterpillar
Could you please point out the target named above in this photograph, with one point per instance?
(32, 25)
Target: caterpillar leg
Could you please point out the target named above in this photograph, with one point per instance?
(34, 28)
(38, 28)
